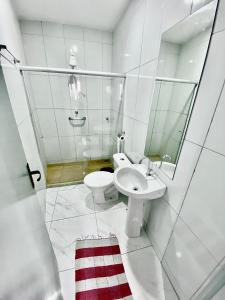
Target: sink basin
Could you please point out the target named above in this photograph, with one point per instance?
(133, 182)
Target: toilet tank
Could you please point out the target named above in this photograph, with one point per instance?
(120, 160)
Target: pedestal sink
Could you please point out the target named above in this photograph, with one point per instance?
(132, 182)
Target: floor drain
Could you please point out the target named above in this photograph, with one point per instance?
(135, 188)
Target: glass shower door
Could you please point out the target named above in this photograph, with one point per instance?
(73, 122)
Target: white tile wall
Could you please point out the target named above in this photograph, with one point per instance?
(95, 121)
(82, 147)
(34, 50)
(106, 93)
(92, 35)
(59, 91)
(94, 93)
(67, 146)
(47, 122)
(131, 93)
(160, 225)
(52, 149)
(48, 44)
(139, 135)
(106, 58)
(193, 248)
(128, 125)
(107, 145)
(186, 261)
(107, 37)
(55, 45)
(128, 37)
(65, 127)
(215, 138)
(152, 30)
(31, 27)
(106, 128)
(73, 32)
(144, 91)
(208, 93)
(95, 146)
(205, 201)
(93, 55)
(185, 168)
(52, 29)
(41, 91)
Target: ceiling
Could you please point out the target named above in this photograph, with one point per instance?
(98, 14)
(191, 26)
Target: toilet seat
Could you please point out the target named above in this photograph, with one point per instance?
(98, 179)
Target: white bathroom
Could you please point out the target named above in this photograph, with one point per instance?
(112, 149)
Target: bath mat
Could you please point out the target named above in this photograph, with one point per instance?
(99, 271)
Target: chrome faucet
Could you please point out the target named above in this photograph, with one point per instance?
(149, 169)
(164, 158)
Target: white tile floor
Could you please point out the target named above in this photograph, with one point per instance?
(71, 214)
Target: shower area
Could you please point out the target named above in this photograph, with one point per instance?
(70, 89)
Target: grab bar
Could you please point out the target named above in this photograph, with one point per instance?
(77, 119)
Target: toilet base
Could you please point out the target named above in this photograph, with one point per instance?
(111, 194)
(100, 196)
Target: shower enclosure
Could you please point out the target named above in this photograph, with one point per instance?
(74, 123)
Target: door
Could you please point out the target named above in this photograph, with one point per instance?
(27, 261)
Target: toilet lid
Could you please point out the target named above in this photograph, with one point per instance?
(98, 179)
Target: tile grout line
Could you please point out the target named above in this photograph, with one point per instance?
(64, 270)
(53, 213)
(138, 249)
(178, 297)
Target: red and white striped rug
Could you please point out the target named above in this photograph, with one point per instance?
(99, 271)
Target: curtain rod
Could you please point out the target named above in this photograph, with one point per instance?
(168, 79)
(70, 71)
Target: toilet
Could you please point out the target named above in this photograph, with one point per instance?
(101, 182)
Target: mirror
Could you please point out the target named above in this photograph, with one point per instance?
(182, 55)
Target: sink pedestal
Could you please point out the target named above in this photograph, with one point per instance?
(133, 182)
(134, 217)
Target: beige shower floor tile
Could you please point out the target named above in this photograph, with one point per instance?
(70, 173)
